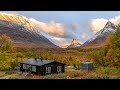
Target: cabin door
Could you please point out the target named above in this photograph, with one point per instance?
(28, 68)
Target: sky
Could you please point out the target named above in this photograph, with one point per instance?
(60, 27)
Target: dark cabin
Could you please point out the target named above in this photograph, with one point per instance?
(41, 67)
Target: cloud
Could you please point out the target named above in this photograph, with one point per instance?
(99, 23)
(52, 28)
(56, 29)
(115, 20)
(73, 26)
(84, 35)
(61, 41)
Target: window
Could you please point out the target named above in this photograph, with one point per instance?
(48, 69)
(34, 68)
(58, 68)
(24, 66)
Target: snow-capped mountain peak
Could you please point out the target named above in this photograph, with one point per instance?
(108, 28)
(22, 31)
(17, 19)
(109, 25)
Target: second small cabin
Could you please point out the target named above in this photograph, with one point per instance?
(41, 67)
(87, 66)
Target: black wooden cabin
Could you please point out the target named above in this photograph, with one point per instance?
(41, 67)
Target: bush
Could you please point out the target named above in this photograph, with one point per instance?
(115, 77)
(108, 70)
(13, 64)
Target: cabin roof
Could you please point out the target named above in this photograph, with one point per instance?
(37, 62)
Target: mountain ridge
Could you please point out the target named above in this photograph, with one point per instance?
(100, 37)
(21, 31)
(74, 43)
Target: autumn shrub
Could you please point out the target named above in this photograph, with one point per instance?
(70, 70)
(92, 76)
(2, 74)
(8, 62)
(95, 76)
(5, 43)
(108, 70)
(32, 76)
(113, 49)
(99, 57)
(4, 66)
(114, 77)
(76, 74)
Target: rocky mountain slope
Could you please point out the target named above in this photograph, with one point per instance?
(74, 43)
(22, 31)
(100, 37)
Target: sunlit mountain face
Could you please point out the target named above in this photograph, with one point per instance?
(17, 19)
(74, 43)
(22, 31)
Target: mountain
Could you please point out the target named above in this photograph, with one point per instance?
(100, 37)
(22, 31)
(74, 43)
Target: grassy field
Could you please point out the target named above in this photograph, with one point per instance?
(99, 73)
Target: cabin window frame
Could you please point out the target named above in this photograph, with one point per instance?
(48, 69)
(34, 68)
(30, 67)
(59, 69)
(24, 66)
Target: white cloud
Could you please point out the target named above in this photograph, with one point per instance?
(56, 29)
(99, 23)
(51, 28)
(115, 20)
(61, 41)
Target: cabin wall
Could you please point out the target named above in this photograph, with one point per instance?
(87, 66)
(23, 70)
(38, 70)
(41, 70)
(53, 68)
(21, 67)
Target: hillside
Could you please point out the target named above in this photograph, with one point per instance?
(22, 31)
(74, 43)
(99, 39)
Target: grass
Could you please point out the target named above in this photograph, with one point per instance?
(97, 73)
(55, 76)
